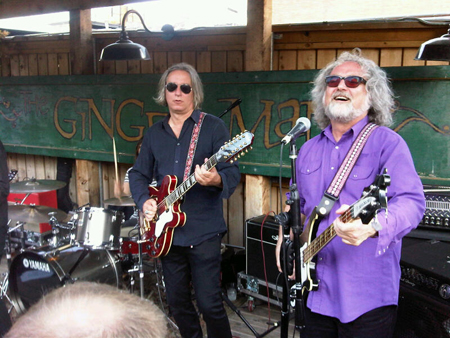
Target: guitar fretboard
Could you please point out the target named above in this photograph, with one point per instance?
(183, 188)
(325, 237)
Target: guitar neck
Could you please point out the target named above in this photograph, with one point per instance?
(183, 188)
(324, 238)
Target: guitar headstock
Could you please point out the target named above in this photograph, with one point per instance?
(232, 150)
(373, 198)
(12, 174)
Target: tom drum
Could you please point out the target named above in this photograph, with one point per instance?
(98, 227)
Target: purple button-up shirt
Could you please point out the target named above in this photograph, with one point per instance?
(357, 279)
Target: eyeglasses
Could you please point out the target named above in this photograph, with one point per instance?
(185, 88)
(350, 81)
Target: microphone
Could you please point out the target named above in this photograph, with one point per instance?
(234, 104)
(302, 125)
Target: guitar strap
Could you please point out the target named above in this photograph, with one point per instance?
(193, 146)
(331, 195)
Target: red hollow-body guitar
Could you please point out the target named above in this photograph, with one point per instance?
(157, 234)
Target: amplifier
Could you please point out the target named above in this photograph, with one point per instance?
(437, 211)
(255, 245)
(425, 266)
(424, 302)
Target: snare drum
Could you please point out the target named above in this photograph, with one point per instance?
(98, 227)
(129, 241)
(129, 246)
(35, 273)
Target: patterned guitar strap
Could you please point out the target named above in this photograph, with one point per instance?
(193, 146)
(331, 195)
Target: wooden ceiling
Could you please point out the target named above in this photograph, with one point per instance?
(17, 8)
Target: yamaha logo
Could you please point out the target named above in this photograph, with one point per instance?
(36, 265)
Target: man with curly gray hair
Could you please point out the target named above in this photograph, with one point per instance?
(358, 272)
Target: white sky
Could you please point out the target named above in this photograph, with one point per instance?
(187, 14)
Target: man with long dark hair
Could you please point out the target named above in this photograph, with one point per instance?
(194, 256)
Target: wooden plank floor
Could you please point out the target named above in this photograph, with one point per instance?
(259, 318)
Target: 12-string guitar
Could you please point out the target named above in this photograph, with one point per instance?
(157, 234)
(373, 198)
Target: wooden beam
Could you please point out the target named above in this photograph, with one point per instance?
(259, 35)
(257, 195)
(16, 8)
(81, 46)
(88, 187)
(258, 57)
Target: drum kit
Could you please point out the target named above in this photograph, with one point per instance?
(88, 247)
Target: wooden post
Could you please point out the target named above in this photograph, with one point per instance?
(259, 35)
(257, 195)
(81, 47)
(88, 185)
(82, 63)
(258, 54)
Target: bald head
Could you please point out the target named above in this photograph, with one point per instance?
(90, 310)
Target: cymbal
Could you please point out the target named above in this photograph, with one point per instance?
(33, 213)
(34, 185)
(124, 201)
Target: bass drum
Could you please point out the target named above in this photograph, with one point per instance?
(35, 273)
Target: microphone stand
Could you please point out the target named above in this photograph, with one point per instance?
(293, 223)
(141, 266)
(297, 229)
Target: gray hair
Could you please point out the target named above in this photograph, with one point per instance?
(378, 88)
(90, 310)
(197, 86)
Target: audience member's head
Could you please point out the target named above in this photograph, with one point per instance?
(90, 310)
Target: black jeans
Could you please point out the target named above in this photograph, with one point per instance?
(377, 323)
(201, 265)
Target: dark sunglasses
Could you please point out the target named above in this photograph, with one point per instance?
(185, 88)
(350, 81)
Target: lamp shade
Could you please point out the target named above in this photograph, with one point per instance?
(435, 49)
(124, 49)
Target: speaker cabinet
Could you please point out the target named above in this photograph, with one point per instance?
(424, 302)
(255, 244)
(421, 316)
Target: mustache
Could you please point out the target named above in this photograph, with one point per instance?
(339, 93)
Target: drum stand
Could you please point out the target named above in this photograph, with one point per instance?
(5, 281)
(139, 267)
(56, 239)
(22, 240)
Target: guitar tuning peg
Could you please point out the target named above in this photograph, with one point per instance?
(231, 161)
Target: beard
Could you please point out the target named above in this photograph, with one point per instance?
(346, 112)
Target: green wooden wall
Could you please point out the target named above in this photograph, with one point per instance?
(78, 116)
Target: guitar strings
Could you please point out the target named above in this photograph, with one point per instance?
(209, 165)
